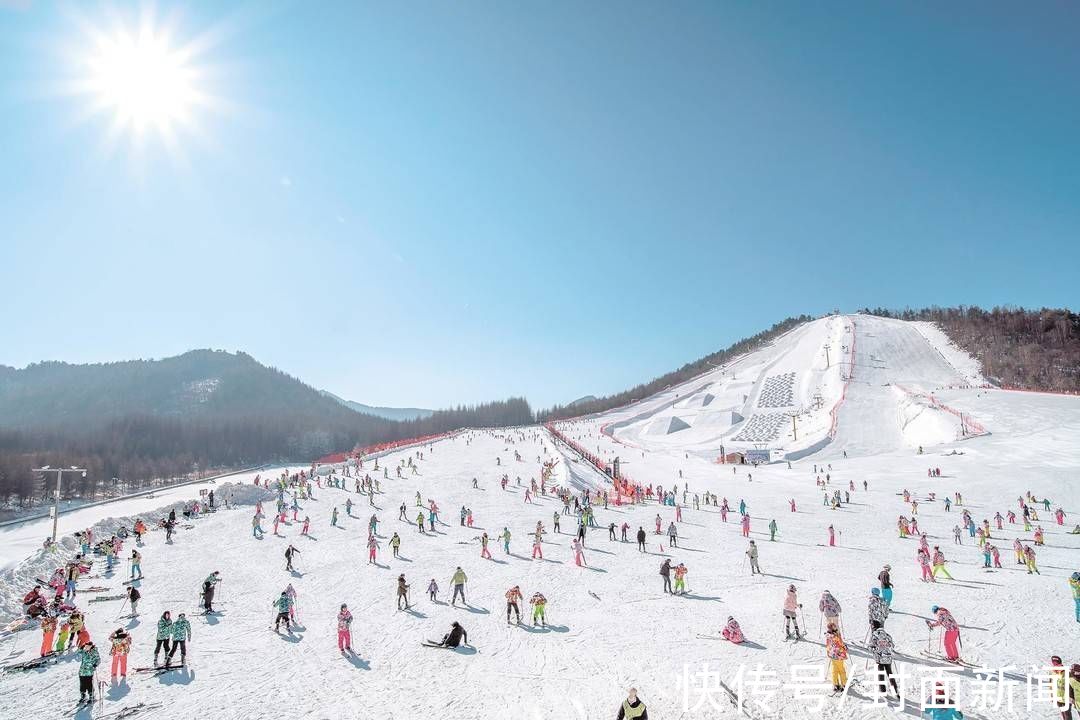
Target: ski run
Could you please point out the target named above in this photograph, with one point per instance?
(919, 520)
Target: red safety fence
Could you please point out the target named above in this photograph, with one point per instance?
(969, 424)
(383, 447)
(623, 484)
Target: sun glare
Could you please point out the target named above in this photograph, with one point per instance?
(144, 76)
(142, 80)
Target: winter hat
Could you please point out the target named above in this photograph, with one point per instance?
(875, 591)
(934, 609)
(832, 627)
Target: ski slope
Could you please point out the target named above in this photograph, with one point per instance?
(609, 625)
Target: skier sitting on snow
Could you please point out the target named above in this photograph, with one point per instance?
(733, 632)
(455, 637)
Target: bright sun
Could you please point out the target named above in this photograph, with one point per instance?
(143, 80)
(136, 73)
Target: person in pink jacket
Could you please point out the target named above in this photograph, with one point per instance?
(579, 554)
(948, 624)
(790, 612)
(733, 632)
(924, 563)
(344, 634)
(746, 526)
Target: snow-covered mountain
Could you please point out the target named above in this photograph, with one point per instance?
(886, 388)
(389, 413)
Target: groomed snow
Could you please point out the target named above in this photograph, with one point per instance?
(610, 626)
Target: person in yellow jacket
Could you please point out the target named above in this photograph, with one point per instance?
(632, 707)
(837, 652)
(121, 646)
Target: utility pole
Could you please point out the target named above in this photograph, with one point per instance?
(56, 496)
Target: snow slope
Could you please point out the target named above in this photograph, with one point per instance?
(610, 626)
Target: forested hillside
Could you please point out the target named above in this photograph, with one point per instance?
(146, 420)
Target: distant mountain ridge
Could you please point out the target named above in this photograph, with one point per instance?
(390, 413)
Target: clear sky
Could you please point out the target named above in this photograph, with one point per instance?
(433, 203)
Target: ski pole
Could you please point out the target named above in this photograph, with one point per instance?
(121, 609)
(819, 621)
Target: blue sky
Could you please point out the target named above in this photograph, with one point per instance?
(434, 203)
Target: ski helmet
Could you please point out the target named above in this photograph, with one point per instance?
(875, 591)
(934, 609)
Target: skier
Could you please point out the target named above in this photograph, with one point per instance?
(732, 632)
(395, 544)
(307, 524)
(832, 537)
(208, 591)
(136, 564)
(48, 629)
(791, 607)
(181, 635)
(458, 581)
(665, 572)
(837, 652)
(455, 637)
(829, 607)
(641, 539)
(949, 626)
(484, 552)
(885, 579)
(1074, 585)
(539, 603)
(402, 591)
(433, 590)
(632, 707)
(1029, 560)
(746, 526)
(372, 546)
(344, 629)
(505, 537)
(88, 662)
(881, 647)
(282, 605)
(752, 553)
(289, 552)
(680, 580)
(513, 598)
(772, 530)
(121, 645)
(673, 535)
(579, 552)
(164, 634)
(939, 563)
(333, 517)
(876, 609)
